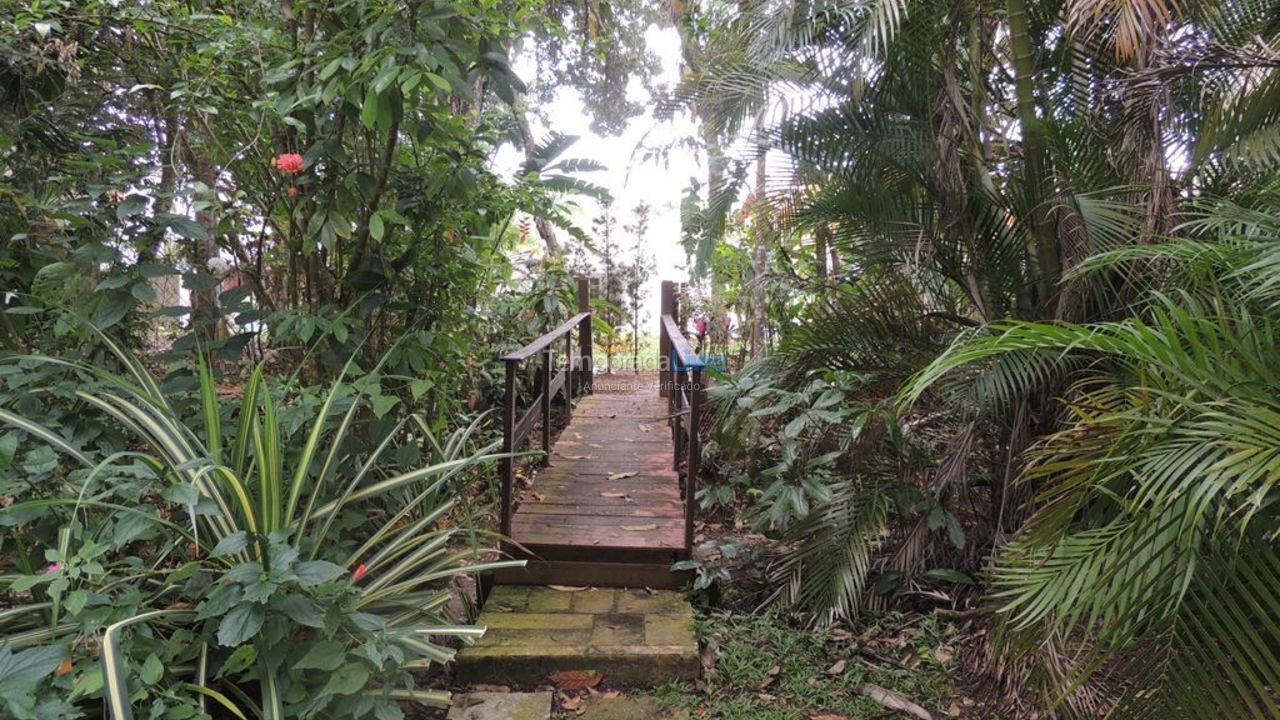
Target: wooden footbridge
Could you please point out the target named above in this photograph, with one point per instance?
(609, 510)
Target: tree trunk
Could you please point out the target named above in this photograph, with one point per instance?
(821, 241)
(759, 258)
(691, 55)
(205, 318)
(1035, 179)
(545, 230)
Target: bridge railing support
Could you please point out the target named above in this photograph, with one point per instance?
(681, 382)
(573, 379)
(668, 302)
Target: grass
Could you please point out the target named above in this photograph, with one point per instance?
(768, 669)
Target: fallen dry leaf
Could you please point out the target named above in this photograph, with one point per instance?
(643, 427)
(943, 654)
(63, 668)
(837, 667)
(576, 679)
(613, 494)
(650, 526)
(491, 688)
(571, 703)
(621, 475)
(828, 716)
(894, 701)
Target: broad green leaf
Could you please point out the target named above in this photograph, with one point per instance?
(323, 655)
(130, 206)
(419, 388)
(242, 623)
(346, 680)
(114, 282)
(383, 79)
(221, 599)
(329, 69)
(8, 448)
(76, 601)
(231, 544)
(244, 573)
(369, 112)
(382, 404)
(440, 82)
(111, 309)
(183, 494)
(949, 575)
(21, 671)
(301, 610)
(152, 670)
(315, 572)
(241, 659)
(184, 226)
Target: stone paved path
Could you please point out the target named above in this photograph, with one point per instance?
(501, 706)
(632, 637)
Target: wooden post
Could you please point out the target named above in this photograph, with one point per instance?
(546, 407)
(668, 307)
(508, 428)
(568, 377)
(695, 454)
(586, 371)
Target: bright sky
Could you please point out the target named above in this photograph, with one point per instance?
(628, 177)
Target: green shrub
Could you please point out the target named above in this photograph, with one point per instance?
(265, 577)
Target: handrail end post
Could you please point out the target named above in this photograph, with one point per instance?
(667, 307)
(506, 465)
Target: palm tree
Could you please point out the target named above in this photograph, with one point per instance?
(965, 158)
(1153, 541)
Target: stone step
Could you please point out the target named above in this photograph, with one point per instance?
(501, 706)
(632, 637)
(596, 574)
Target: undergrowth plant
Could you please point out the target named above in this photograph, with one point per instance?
(1147, 573)
(201, 568)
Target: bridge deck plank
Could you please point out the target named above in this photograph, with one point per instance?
(609, 484)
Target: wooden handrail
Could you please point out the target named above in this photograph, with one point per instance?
(679, 346)
(570, 380)
(545, 341)
(680, 381)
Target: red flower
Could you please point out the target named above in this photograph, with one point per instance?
(359, 573)
(289, 162)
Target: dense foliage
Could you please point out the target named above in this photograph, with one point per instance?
(1017, 260)
(1000, 278)
(255, 270)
